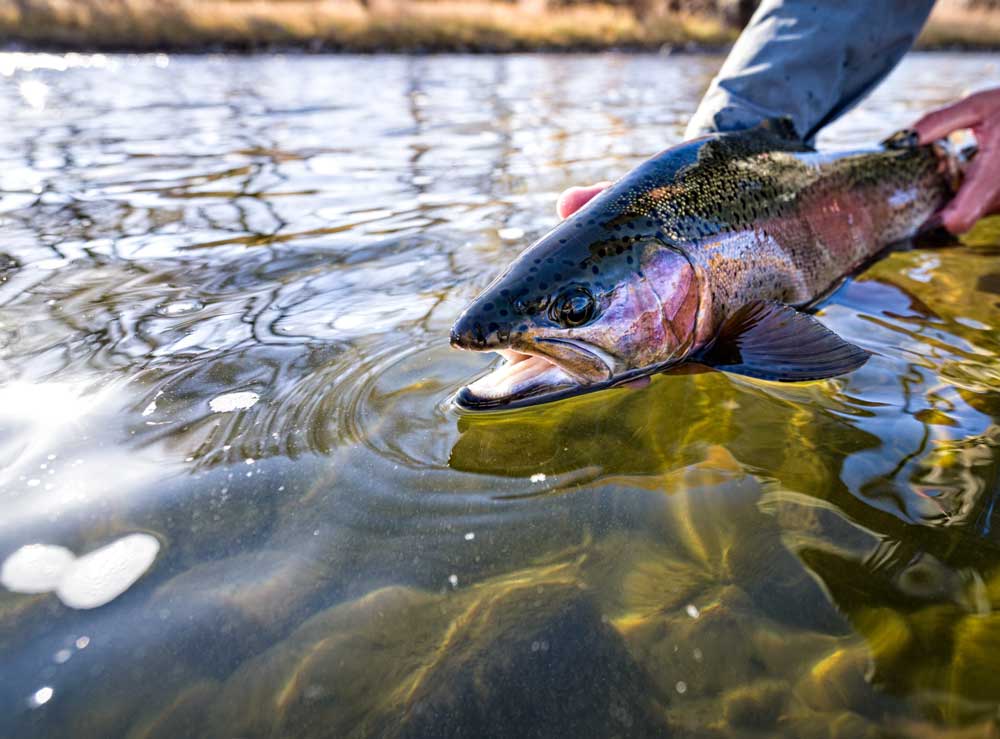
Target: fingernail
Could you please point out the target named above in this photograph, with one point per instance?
(956, 224)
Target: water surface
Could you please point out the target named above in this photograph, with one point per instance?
(231, 472)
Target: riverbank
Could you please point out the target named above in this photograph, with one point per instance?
(392, 25)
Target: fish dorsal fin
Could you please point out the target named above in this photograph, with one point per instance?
(772, 341)
(781, 126)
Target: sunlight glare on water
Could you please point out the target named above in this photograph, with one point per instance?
(237, 501)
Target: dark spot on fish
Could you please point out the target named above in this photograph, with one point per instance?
(503, 312)
(557, 276)
(629, 259)
(595, 270)
(562, 241)
(488, 306)
(523, 327)
(505, 292)
(550, 260)
(538, 261)
(590, 221)
(542, 286)
(533, 269)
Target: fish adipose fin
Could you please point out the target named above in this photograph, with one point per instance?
(771, 341)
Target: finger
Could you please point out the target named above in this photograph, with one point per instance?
(962, 215)
(980, 190)
(576, 197)
(939, 123)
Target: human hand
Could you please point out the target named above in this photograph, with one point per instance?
(979, 194)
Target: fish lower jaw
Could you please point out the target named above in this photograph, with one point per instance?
(519, 377)
(560, 368)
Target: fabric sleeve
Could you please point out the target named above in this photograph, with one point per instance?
(809, 60)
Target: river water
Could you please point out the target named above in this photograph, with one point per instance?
(235, 501)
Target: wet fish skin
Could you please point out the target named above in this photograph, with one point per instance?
(677, 246)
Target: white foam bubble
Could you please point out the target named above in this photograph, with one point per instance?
(100, 576)
(36, 568)
(179, 307)
(40, 697)
(233, 402)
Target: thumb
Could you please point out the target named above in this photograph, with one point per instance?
(576, 197)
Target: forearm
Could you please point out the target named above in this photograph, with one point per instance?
(810, 61)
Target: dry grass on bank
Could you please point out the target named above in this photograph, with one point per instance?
(952, 26)
(341, 25)
(398, 25)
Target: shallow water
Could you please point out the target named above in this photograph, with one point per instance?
(226, 286)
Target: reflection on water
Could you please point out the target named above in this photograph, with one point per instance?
(237, 502)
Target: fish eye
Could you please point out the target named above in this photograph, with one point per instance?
(573, 308)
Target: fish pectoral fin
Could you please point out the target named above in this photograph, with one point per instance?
(772, 341)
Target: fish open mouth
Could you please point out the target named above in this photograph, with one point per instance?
(557, 369)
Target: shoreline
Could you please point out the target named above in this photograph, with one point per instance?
(239, 49)
(400, 26)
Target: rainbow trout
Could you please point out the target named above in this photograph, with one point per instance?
(707, 252)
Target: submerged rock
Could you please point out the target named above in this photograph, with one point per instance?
(525, 655)
(707, 645)
(184, 716)
(228, 610)
(756, 706)
(973, 673)
(836, 725)
(521, 670)
(839, 682)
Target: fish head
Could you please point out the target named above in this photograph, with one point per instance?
(582, 309)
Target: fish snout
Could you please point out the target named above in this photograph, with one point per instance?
(478, 332)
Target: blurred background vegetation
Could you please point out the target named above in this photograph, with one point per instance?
(422, 25)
